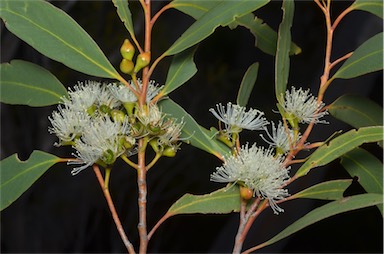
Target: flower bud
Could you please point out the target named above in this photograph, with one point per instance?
(155, 145)
(118, 115)
(126, 66)
(127, 50)
(169, 151)
(142, 61)
(246, 193)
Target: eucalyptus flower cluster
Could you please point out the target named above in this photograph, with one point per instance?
(104, 121)
(256, 168)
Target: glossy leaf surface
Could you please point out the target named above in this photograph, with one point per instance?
(17, 176)
(29, 84)
(366, 58)
(357, 111)
(325, 211)
(283, 46)
(193, 132)
(181, 70)
(220, 15)
(331, 190)
(55, 34)
(125, 15)
(247, 84)
(339, 146)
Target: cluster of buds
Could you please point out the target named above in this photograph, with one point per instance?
(258, 171)
(127, 66)
(104, 121)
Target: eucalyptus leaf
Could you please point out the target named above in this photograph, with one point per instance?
(367, 168)
(265, 36)
(194, 8)
(247, 84)
(193, 132)
(181, 70)
(29, 84)
(366, 58)
(357, 111)
(17, 176)
(125, 15)
(55, 34)
(339, 146)
(331, 190)
(221, 15)
(373, 6)
(325, 211)
(222, 201)
(283, 48)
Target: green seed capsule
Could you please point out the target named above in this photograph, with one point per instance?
(127, 50)
(169, 151)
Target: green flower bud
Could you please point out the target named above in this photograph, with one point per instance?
(169, 151)
(246, 193)
(117, 115)
(127, 50)
(142, 61)
(126, 66)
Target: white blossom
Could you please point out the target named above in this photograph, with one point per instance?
(83, 96)
(279, 138)
(106, 97)
(304, 106)
(68, 124)
(150, 115)
(124, 94)
(172, 134)
(236, 118)
(258, 169)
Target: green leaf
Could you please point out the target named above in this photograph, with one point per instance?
(125, 15)
(55, 34)
(222, 201)
(220, 15)
(373, 6)
(357, 111)
(339, 146)
(181, 70)
(325, 211)
(283, 47)
(331, 190)
(193, 132)
(367, 58)
(367, 168)
(194, 8)
(29, 84)
(247, 84)
(265, 36)
(17, 176)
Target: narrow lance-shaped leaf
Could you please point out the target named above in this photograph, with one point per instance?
(331, 190)
(125, 15)
(55, 34)
(225, 200)
(17, 176)
(29, 84)
(193, 132)
(357, 111)
(220, 15)
(323, 212)
(181, 70)
(247, 84)
(367, 168)
(366, 58)
(283, 47)
(339, 146)
(373, 6)
(265, 36)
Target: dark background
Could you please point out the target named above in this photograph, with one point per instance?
(62, 213)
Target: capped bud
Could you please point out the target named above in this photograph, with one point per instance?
(169, 151)
(246, 193)
(142, 61)
(127, 50)
(118, 115)
(126, 66)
